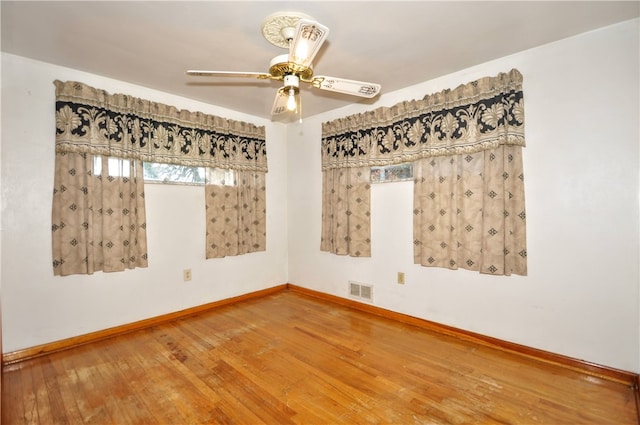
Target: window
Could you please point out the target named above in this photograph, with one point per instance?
(173, 174)
(155, 172)
(116, 167)
(392, 173)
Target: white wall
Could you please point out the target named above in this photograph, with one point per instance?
(36, 306)
(581, 181)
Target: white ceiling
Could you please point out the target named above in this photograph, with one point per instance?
(395, 44)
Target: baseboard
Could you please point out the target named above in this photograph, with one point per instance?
(40, 350)
(582, 366)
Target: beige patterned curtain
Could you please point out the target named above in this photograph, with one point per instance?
(98, 214)
(346, 224)
(236, 213)
(98, 209)
(469, 212)
(466, 145)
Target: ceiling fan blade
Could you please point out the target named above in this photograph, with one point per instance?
(341, 85)
(307, 41)
(259, 75)
(280, 102)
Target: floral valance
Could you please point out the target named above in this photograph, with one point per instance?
(92, 121)
(473, 117)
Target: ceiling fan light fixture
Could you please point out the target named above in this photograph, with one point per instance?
(291, 100)
(292, 87)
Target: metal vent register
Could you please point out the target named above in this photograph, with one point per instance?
(360, 290)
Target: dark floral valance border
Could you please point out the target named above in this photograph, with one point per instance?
(473, 117)
(92, 121)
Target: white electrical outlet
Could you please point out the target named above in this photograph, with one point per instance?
(186, 275)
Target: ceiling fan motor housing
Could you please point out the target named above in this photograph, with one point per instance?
(280, 67)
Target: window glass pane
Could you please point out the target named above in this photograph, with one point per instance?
(392, 173)
(116, 167)
(171, 173)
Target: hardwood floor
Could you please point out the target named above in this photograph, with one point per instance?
(291, 359)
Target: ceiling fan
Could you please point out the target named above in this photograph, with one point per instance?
(303, 37)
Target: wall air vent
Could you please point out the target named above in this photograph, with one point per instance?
(361, 291)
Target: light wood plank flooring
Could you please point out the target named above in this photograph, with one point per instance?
(291, 359)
